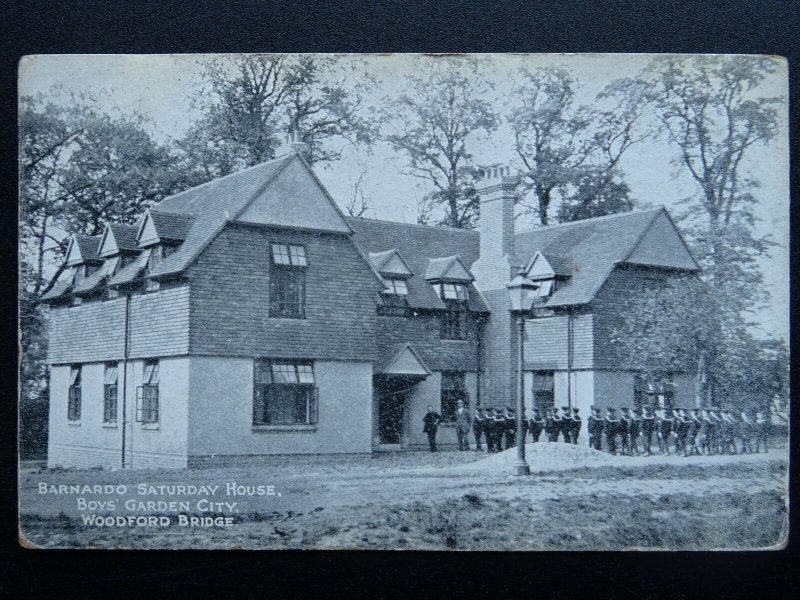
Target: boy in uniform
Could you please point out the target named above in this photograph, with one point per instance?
(611, 428)
(537, 424)
(594, 425)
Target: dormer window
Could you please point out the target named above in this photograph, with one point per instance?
(545, 288)
(289, 254)
(287, 281)
(454, 291)
(396, 287)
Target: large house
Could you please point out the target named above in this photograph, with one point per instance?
(248, 316)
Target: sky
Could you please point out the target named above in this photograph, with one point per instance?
(160, 88)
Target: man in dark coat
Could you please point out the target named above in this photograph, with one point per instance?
(510, 428)
(648, 428)
(695, 425)
(746, 429)
(665, 423)
(431, 422)
(488, 429)
(477, 428)
(537, 424)
(499, 430)
(575, 425)
(551, 425)
(634, 428)
(566, 425)
(611, 429)
(624, 429)
(682, 424)
(594, 425)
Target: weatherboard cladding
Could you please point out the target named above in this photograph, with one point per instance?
(230, 298)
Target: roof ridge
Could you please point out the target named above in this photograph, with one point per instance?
(592, 219)
(419, 225)
(216, 179)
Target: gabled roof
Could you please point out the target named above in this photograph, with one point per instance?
(403, 360)
(391, 263)
(131, 271)
(448, 268)
(82, 248)
(159, 226)
(418, 244)
(589, 250)
(118, 238)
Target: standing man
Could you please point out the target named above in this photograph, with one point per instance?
(624, 429)
(477, 428)
(648, 428)
(695, 425)
(551, 425)
(746, 429)
(594, 424)
(683, 424)
(635, 428)
(499, 430)
(714, 430)
(576, 424)
(536, 425)
(462, 426)
(510, 428)
(431, 421)
(611, 429)
(664, 431)
(762, 431)
(488, 429)
(566, 425)
(706, 425)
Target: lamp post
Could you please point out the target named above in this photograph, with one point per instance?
(521, 294)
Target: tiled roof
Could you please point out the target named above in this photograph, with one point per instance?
(125, 235)
(130, 271)
(212, 205)
(587, 250)
(171, 226)
(58, 290)
(418, 244)
(440, 268)
(88, 246)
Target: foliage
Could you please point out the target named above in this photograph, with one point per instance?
(442, 113)
(250, 102)
(571, 153)
(711, 111)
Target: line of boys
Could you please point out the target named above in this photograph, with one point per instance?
(698, 431)
(499, 426)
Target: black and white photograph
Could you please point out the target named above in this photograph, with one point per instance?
(457, 302)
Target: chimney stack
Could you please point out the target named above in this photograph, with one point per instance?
(294, 143)
(496, 218)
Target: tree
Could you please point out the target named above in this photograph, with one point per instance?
(571, 153)
(79, 168)
(443, 111)
(250, 102)
(711, 111)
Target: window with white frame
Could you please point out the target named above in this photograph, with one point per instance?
(74, 397)
(287, 282)
(147, 401)
(284, 393)
(396, 287)
(454, 291)
(110, 393)
(543, 390)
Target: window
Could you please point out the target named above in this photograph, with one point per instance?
(454, 291)
(287, 284)
(397, 287)
(112, 293)
(654, 392)
(284, 393)
(392, 305)
(545, 288)
(110, 394)
(453, 389)
(151, 285)
(109, 267)
(74, 400)
(543, 390)
(77, 301)
(454, 321)
(147, 394)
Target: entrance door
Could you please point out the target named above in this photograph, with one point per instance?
(390, 416)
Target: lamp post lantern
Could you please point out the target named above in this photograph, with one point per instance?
(521, 294)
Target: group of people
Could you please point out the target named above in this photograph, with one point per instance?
(696, 431)
(632, 432)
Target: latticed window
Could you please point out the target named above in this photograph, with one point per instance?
(287, 289)
(655, 392)
(397, 287)
(110, 393)
(455, 291)
(284, 393)
(147, 400)
(454, 388)
(454, 321)
(74, 397)
(543, 390)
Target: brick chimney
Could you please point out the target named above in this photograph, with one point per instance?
(496, 225)
(294, 143)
